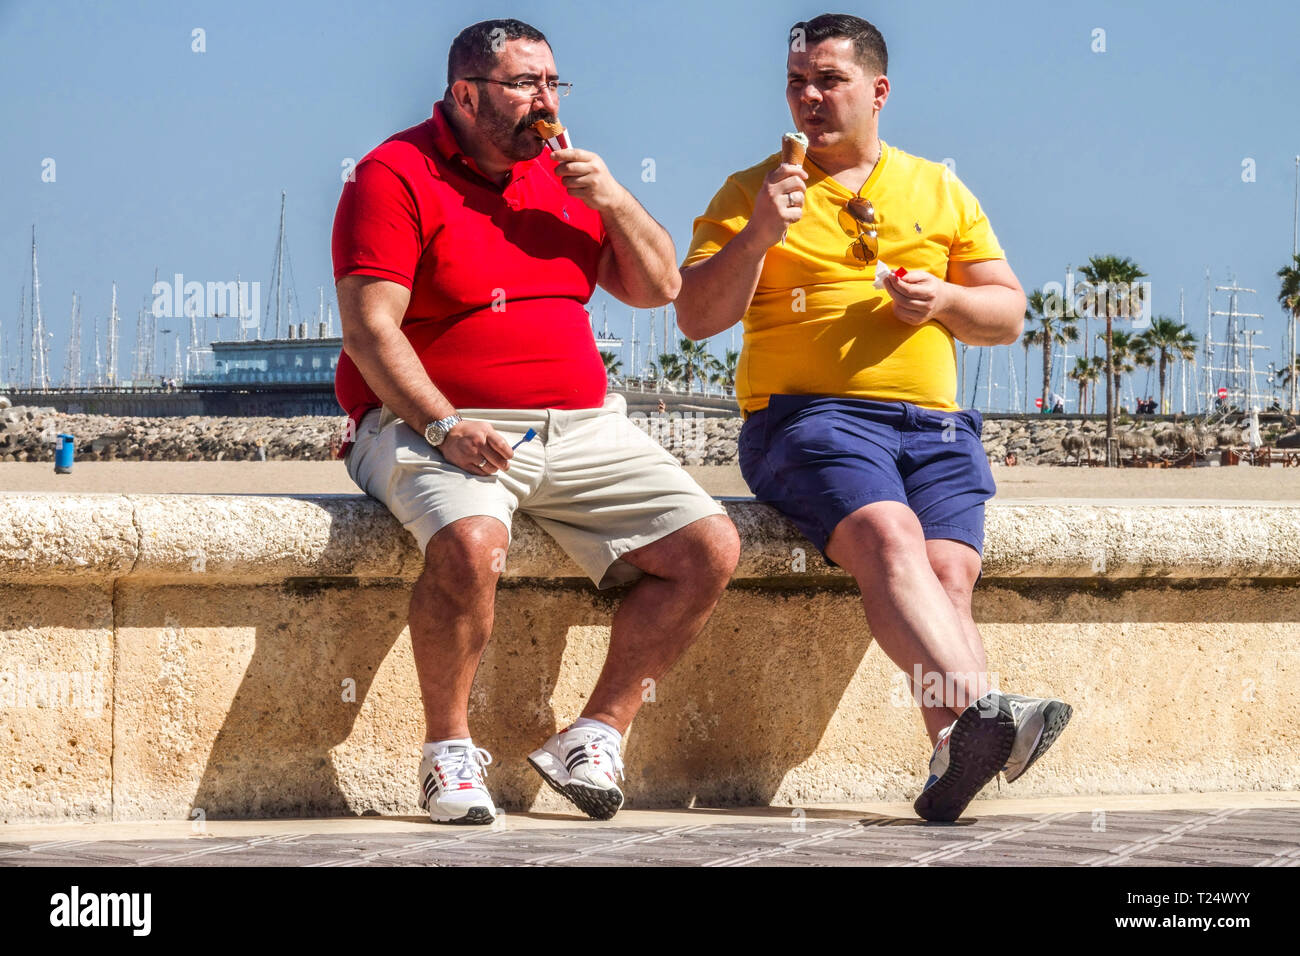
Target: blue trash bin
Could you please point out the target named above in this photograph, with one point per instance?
(63, 454)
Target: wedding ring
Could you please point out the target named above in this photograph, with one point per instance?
(483, 463)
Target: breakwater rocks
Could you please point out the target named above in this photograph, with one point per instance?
(1054, 442)
(29, 434)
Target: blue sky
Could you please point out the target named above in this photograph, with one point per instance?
(171, 159)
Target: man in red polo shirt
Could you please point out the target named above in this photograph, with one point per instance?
(464, 251)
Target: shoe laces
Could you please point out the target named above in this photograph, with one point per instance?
(462, 763)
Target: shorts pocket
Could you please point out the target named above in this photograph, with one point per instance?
(751, 446)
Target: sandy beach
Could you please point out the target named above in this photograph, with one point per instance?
(1236, 483)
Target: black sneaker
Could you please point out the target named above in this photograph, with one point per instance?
(967, 756)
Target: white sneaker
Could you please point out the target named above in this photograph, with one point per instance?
(581, 763)
(451, 786)
(1039, 721)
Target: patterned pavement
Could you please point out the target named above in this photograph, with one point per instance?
(1258, 836)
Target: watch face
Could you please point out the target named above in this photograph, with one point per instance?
(437, 431)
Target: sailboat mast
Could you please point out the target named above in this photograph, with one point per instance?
(1209, 344)
(70, 366)
(38, 324)
(988, 391)
(112, 339)
(279, 269)
(239, 306)
(22, 337)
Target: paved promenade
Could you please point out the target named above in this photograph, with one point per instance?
(1253, 829)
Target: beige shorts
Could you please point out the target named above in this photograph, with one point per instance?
(594, 481)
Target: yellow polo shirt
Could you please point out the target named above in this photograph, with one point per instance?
(817, 325)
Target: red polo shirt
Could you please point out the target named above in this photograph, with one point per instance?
(498, 277)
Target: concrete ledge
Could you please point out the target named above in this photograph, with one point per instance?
(209, 539)
(169, 656)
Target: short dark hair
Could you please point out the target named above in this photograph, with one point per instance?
(474, 51)
(868, 45)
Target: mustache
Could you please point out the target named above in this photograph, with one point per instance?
(527, 122)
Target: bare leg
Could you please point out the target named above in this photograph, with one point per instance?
(957, 566)
(685, 574)
(451, 616)
(908, 610)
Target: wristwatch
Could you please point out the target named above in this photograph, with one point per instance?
(435, 433)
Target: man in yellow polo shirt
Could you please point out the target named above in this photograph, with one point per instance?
(853, 275)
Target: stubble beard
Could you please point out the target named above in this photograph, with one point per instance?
(515, 140)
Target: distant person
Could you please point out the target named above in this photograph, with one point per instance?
(442, 378)
(852, 428)
(1058, 404)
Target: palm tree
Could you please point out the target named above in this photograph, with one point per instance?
(1171, 342)
(725, 373)
(1110, 279)
(1129, 351)
(1055, 327)
(669, 369)
(1024, 341)
(1290, 299)
(1086, 372)
(1287, 373)
(612, 363)
(696, 361)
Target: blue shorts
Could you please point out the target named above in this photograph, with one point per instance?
(819, 458)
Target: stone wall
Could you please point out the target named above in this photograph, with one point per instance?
(163, 657)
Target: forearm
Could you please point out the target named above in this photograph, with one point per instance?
(716, 293)
(395, 374)
(643, 253)
(983, 315)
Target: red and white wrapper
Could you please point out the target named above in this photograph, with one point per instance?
(883, 271)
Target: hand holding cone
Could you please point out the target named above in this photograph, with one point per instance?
(794, 146)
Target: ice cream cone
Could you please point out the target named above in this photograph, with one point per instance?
(793, 148)
(554, 133)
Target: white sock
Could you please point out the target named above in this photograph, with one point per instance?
(435, 747)
(598, 725)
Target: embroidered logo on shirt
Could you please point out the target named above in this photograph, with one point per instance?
(565, 210)
(916, 226)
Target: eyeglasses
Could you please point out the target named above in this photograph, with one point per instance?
(537, 85)
(866, 246)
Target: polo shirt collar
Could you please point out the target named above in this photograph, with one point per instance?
(445, 142)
